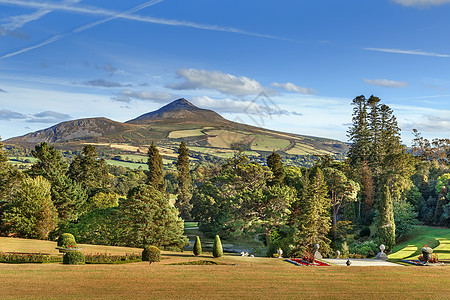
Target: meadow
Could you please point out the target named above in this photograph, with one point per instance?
(236, 277)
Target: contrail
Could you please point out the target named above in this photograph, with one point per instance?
(79, 29)
(124, 15)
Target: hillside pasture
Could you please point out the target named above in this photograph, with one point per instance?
(178, 134)
(268, 143)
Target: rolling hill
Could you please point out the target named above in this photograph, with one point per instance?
(205, 131)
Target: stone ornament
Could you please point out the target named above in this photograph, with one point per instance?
(381, 255)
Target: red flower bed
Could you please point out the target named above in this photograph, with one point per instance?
(301, 262)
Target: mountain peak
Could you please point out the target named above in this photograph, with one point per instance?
(179, 111)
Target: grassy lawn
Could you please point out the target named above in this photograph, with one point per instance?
(237, 277)
(267, 143)
(436, 238)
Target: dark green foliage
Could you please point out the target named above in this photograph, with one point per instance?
(155, 174)
(313, 221)
(359, 134)
(276, 166)
(149, 219)
(89, 170)
(184, 183)
(151, 254)
(65, 240)
(197, 246)
(199, 263)
(217, 250)
(385, 221)
(104, 258)
(49, 161)
(405, 217)
(73, 258)
(99, 227)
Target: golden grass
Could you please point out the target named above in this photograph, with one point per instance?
(185, 133)
(248, 278)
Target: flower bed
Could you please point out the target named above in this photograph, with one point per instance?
(301, 262)
(107, 258)
(20, 258)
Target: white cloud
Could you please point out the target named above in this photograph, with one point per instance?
(290, 87)
(429, 123)
(254, 107)
(410, 52)
(127, 95)
(387, 83)
(215, 80)
(421, 3)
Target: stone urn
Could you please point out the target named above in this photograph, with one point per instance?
(426, 253)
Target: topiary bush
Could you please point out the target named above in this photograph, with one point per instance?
(197, 246)
(151, 254)
(217, 247)
(73, 258)
(66, 240)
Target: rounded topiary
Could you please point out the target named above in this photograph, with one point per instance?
(151, 254)
(217, 247)
(197, 246)
(66, 240)
(73, 258)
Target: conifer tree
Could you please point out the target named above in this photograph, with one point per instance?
(184, 183)
(197, 246)
(89, 170)
(217, 250)
(149, 219)
(313, 222)
(10, 179)
(359, 134)
(385, 220)
(276, 165)
(155, 175)
(68, 196)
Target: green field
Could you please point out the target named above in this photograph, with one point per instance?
(436, 238)
(268, 143)
(236, 277)
(185, 133)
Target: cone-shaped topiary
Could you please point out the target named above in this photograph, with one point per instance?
(217, 247)
(197, 246)
(151, 254)
(66, 240)
(73, 258)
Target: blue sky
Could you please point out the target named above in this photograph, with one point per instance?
(291, 66)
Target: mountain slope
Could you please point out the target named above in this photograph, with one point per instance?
(206, 133)
(179, 111)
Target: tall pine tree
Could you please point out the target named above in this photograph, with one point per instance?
(313, 222)
(276, 165)
(155, 175)
(184, 183)
(385, 220)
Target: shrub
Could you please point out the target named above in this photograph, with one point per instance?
(217, 247)
(66, 240)
(104, 258)
(344, 250)
(151, 254)
(73, 258)
(364, 232)
(367, 248)
(197, 246)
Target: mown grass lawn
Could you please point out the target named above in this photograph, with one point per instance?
(238, 277)
(436, 238)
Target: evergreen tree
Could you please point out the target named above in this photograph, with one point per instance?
(276, 165)
(10, 178)
(68, 196)
(217, 250)
(49, 161)
(375, 132)
(359, 134)
(149, 219)
(340, 190)
(184, 183)
(313, 222)
(385, 220)
(197, 246)
(155, 175)
(90, 171)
